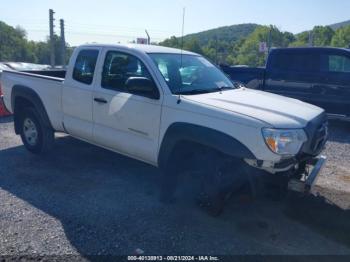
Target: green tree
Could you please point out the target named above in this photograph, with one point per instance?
(341, 37)
(14, 46)
(302, 39)
(172, 42)
(322, 35)
(193, 46)
(219, 45)
(248, 53)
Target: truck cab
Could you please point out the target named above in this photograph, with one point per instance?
(316, 75)
(320, 76)
(99, 106)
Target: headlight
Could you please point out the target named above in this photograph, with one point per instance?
(284, 141)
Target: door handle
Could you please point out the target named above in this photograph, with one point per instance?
(100, 100)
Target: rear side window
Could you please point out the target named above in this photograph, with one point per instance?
(84, 67)
(297, 62)
(337, 63)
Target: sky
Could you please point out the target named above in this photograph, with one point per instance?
(108, 21)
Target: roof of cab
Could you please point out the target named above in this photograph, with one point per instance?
(316, 49)
(144, 48)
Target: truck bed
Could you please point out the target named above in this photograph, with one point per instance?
(47, 85)
(57, 75)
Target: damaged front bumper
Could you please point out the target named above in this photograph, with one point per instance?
(313, 168)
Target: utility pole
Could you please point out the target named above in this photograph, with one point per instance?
(63, 44)
(148, 38)
(269, 41)
(52, 43)
(311, 39)
(216, 49)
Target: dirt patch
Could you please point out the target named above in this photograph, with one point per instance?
(322, 214)
(345, 179)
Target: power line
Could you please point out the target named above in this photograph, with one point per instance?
(82, 29)
(39, 22)
(115, 33)
(130, 37)
(119, 27)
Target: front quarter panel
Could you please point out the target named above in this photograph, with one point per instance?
(245, 130)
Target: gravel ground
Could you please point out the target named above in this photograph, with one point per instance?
(336, 175)
(84, 200)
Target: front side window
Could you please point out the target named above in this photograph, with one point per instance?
(340, 64)
(119, 67)
(190, 74)
(84, 67)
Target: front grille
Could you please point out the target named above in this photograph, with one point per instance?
(317, 132)
(320, 138)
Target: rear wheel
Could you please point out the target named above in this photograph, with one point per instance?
(35, 135)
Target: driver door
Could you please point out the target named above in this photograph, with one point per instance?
(125, 122)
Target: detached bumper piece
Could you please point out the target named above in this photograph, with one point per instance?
(305, 184)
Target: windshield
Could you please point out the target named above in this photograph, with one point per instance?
(190, 74)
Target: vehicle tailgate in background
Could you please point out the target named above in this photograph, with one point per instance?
(3, 110)
(251, 77)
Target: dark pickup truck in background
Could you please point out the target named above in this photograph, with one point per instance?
(320, 76)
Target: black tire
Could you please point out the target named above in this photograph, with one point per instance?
(222, 178)
(217, 181)
(169, 180)
(44, 138)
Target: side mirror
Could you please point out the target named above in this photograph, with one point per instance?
(142, 86)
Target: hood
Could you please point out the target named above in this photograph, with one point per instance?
(278, 111)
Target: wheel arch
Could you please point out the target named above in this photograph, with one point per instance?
(23, 96)
(181, 132)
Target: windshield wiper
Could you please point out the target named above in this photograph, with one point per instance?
(205, 90)
(221, 88)
(198, 91)
(238, 84)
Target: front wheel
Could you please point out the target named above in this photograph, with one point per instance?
(218, 176)
(35, 135)
(222, 178)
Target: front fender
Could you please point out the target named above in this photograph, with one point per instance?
(179, 132)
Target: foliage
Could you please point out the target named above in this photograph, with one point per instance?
(232, 45)
(340, 25)
(15, 47)
(219, 45)
(243, 48)
(223, 34)
(321, 36)
(248, 53)
(341, 37)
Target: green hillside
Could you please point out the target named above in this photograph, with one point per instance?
(239, 44)
(225, 33)
(340, 25)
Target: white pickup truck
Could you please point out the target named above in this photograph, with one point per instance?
(172, 109)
